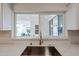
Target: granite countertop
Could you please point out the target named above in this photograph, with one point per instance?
(72, 51)
(63, 46)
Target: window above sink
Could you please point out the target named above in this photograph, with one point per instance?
(29, 25)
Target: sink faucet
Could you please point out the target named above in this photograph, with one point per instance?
(41, 41)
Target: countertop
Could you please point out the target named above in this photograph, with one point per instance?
(64, 47)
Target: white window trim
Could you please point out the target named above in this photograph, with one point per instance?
(64, 35)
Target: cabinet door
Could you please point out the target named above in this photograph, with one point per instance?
(72, 17)
(6, 17)
(1, 21)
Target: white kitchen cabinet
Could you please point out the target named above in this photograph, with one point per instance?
(72, 18)
(1, 22)
(5, 17)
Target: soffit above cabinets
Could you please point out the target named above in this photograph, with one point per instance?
(40, 7)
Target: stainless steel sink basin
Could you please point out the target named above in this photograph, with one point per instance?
(53, 51)
(34, 51)
(40, 51)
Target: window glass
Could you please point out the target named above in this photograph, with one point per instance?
(25, 24)
(30, 25)
(52, 23)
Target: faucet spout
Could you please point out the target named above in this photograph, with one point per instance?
(41, 41)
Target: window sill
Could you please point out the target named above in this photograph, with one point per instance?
(37, 38)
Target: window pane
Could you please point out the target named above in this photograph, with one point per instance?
(55, 25)
(23, 29)
(25, 24)
(51, 24)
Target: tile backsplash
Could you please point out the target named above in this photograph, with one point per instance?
(5, 36)
(73, 36)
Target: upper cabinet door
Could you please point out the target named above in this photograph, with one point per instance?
(5, 14)
(72, 17)
(1, 21)
(7, 17)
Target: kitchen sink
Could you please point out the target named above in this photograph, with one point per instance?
(40, 51)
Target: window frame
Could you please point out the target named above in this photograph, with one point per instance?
(64, 35)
